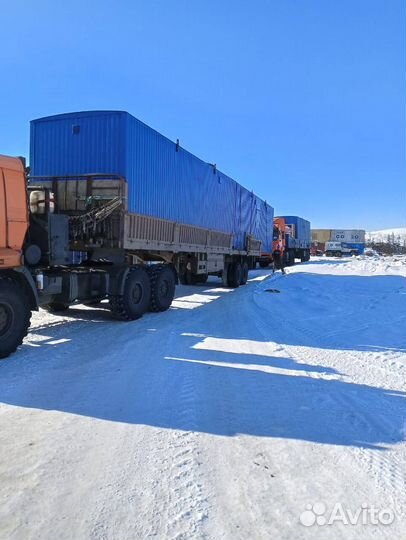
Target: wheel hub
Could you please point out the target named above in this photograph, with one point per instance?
(163, 288)
(136, 293)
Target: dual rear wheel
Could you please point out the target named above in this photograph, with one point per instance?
(237, 274)
(145, 289)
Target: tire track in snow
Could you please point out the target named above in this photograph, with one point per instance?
(188, 506)
(179, 504)
(389, 473)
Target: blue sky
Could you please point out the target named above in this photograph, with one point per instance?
(301, 100)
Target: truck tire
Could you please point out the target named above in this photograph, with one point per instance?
(244, 274)
(289, 258)
(15, 314)
(234, 275)
(264, 263)
(163, 286)
(338, 254)
(136, 297)
(55, 307)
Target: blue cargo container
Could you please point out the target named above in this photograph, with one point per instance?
(301, 236)
(164, 180)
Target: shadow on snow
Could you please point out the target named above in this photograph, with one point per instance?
(188, 374)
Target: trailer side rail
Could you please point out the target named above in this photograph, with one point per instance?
(156, 234)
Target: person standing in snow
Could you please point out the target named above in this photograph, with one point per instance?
(278, 259)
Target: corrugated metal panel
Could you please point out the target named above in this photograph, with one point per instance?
(163, 180)
(321, 235)
(301, 231)
(263, 223)
(348, 235)
(174, 184)
(243, 214)
(86, 142)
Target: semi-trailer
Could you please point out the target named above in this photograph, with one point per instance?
(351, 236)
(113, 210)
(356, 236)
(338, 241)
(291, 236)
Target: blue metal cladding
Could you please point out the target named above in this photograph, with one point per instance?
(302, 232)
(360, 247)
(73, 143)
(164, 180)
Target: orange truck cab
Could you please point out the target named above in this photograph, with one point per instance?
(13, 212)
(278, 242)
(279, 235)
(291, 236)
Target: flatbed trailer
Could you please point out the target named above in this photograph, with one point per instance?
(101, 228)
(72, 239)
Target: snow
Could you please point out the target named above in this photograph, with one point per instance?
(221, 418)
(382, 236)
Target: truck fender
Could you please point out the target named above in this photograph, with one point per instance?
(23, 276)
(117, 281)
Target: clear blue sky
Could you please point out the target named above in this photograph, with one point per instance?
(301, 100)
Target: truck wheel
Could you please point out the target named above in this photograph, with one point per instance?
(264, 264)
(15, 316)
(234, 275)
(338, 254)
(162, 287)
(55, 307)
(135, 300)
(244, 274)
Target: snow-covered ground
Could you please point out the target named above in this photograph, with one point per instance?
(222, 418)
(399, 235)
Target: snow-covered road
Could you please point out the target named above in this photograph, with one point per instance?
(221, 418)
